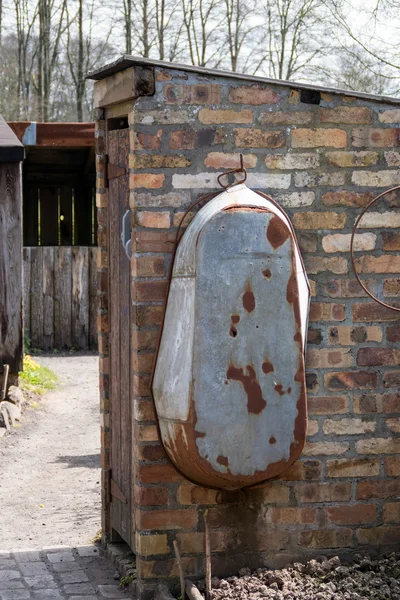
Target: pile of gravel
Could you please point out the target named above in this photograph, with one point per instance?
(322, 579)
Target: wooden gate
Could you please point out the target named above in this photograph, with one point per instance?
(120, 344)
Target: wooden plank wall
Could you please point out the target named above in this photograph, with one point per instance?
(11, 338)
(60, 297)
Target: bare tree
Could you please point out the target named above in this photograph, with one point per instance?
(202, 20)
(25, 19)
(238, 22)
(292, 30)
(83, 50)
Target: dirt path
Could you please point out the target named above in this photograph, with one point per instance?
(49, 467)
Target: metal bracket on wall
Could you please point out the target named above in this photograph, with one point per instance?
(126, 233)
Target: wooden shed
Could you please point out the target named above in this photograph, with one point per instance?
(11, 322)
(59, 234)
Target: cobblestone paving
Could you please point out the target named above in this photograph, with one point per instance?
(61, 573)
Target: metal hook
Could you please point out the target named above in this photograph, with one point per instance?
(241, 169)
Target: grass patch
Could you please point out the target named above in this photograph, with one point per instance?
(35, 378)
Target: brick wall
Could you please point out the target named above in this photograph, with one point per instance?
(322, 163)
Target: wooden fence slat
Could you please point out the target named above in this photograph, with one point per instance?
(48, 298)
(93, 300)
(63, 298)
(80, 298)
(10, 267)
(27, 289)
(60, 297)
(37, 297)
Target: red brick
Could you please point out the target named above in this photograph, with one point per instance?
(367, 404)
(163, 569)
(143, 362)
(188, 139)
(150, 452)
(329, 538)
(146, 180)
(351, 514)
(373, 312)
(291, 516)
(353, 467)
(154, 241)
(323, 492)
(192, 94)
(314, 336)
(392, 466)
(372, 357)
(194, 494)
(376, 138)
(315, 138)
(391, 287)
(390, 241)
(327, 405)
(349, 288)
(141, 385)
(151, 496)
(217, 116)
(165, 473)
(391, 512)
(379, 535)
(158, 161)
(319, 220)
(357, 115)
(154, 220)
(377, 489)
(391, 403)
(393, 333)
(147, 141)
(302, 470)
(221, 160)
(144, 410)
(324, 358)
(253, 95)
(327, 311)
(151, 290)
(272, 540)
(345, 198)
(148, 266)
(166, 519)
(393, 424)
(148, 315)
(391, 379)
(387, 263)
(259, 138)
(349, 380)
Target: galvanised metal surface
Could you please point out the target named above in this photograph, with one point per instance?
(229, 384)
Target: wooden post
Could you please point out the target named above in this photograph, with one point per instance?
(11, 297)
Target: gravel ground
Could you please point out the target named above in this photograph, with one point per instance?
(322, 579)
(50, 465)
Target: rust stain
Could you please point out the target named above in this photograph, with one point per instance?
(267, 273)
(255, 400)
(223, 460)
(267, 367)
(249, 302)
(279, 389)
(272, 440)
(235, 319)
(277, 232)
(233, 331)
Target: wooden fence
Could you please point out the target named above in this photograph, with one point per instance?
(60, 297)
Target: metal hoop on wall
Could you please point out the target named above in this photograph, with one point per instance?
(364, 287)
